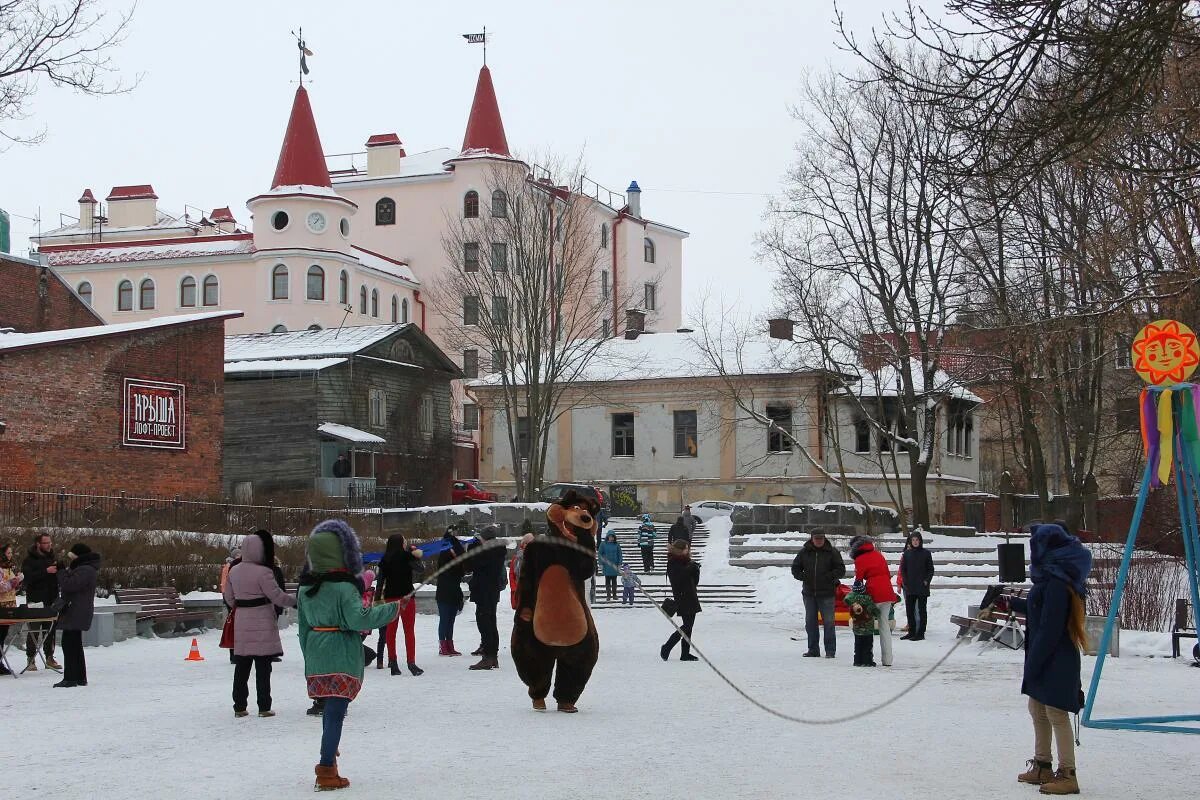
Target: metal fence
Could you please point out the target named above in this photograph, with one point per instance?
(372, 496)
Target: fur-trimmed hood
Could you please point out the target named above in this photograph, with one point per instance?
(351, 550)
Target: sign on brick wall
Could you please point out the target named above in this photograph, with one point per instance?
(154, 415)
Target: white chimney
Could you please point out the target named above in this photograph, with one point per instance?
(384, 151)
(634, 199)
(132, 206)
(87, 210)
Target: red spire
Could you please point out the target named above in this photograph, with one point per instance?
(485, 129)
(301, 159)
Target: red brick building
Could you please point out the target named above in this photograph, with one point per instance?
(137, 407)
(34, 298)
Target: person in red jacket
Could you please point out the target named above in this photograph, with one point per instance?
(871, 567)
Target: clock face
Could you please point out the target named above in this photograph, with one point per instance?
(316, 222)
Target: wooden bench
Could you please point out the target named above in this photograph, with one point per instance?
(159, 606)
(1003, 627)
(1185, 625)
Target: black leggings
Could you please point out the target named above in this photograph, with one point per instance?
(241, 681)
(610, 586)
(74, 666)
(685, 622)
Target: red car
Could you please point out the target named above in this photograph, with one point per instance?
(470, 492)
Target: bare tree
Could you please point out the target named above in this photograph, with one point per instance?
(525, 293)
(66, 42)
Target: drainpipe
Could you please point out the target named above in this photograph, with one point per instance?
(616, 311)
(417, 299)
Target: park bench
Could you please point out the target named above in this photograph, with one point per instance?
(160, 606)
(1003, 627)
(1185, 625)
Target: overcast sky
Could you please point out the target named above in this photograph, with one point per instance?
(690, 99)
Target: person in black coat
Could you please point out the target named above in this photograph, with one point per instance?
(916, 574)
(684, 575)
(819, 567)
(487, 580)
(41, 567)
(449, 594)
(395, 584)
(679, 531)
(77, 583)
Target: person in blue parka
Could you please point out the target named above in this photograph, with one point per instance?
(611, 558)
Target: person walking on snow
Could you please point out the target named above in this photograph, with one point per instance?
(645, 538)
(487, 581)
(449, 593)
(871, 567)
(396, 584)
(684, 575)
(679, 532)
(914, 575)
(690, 521)
(77, 585)
(331, 621)
(819, 567)
(611, 559)
(1054, 621)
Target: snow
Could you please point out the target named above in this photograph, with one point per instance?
(348, 434)
(325, 343)
(413, 165)
(304, 188)
(385, 265)
(13, 341)
(285, 365)
(886, 382)
(237, 244)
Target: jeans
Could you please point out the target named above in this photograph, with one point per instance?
(627, 595)
(685, 622)
(914, 608)
(241, 681)
(74, 667)
(446, 614)
(824, 605)
(331, 728)
(408, 617)
(489, 635)
(1047, 719)
(885, 633)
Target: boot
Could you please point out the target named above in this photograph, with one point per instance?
(414, 669)
(568, 708)
(1063, 782)
(906, 637)
(379, 659)
(444, 647)
(328, 778)
(539, 704)
(486, 662)
(394, 667)
(1039, 772)
(52, 664)
(31, 666)
(478, 651)
(317, 708)
(450, 647)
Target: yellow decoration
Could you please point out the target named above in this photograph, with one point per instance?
(1165, 352)
(1166, 437)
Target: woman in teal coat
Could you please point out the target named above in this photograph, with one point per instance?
(331, 620)
(611, 559)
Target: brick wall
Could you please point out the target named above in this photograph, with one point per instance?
(34, 299)
(62, 405)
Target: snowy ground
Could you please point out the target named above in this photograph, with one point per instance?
(152, 725)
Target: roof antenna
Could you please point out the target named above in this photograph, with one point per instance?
(349, 310)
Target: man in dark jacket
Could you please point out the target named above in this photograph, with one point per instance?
(41, 567)
(819, 567)
(916, 574)
(684, 575)
(487, 580)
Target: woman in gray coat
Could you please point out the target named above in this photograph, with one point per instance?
(252, 592)
(77, 587)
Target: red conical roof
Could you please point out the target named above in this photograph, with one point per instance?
(485, 129)
(301, 159)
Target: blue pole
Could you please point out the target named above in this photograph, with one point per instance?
(1188, 514)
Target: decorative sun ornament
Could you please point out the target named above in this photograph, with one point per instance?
(1165, 352)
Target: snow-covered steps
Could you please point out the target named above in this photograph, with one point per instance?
(711, 595)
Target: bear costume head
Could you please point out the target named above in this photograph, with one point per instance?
(573, 514)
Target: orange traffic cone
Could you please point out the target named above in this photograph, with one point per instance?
(194, 655)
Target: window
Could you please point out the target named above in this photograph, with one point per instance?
(377, 402)
(499, 204)
(344, 227)
(395, 309)
(862, 436)
(344, 288)
(523, 437)
(211, 294)
(960, 427)
(316, 283)
(471, 205)
(622, 435)
(685, 434)
(470, 256)
(604, 235)
(470, 310)
(187, 292)
(425, 415)
(499, 257)
(604, 287)
(362, 300)
(84, 291)
(778, 435)
(375, 303)
(314, 327)
(404, 310)
(648, 250)
(124, 296)
(498, 361)
(470, 417)
(499, 310)
(385, 211)
(471, 363)
(651, 296)
(146, 295)
(279, 220)
(279, 282)
(1123, 357)
(279, 329)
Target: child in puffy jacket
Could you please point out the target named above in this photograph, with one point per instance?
(627, 585)
(863, 614)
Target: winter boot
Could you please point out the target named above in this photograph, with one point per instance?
(478, 651)
(485, 662)
(1063, 782)
(539, 704)
(394, 667)
(317, 708)
(328, 778)
(414, 669)
(444, 647)
(450, 647)
(379, 659)
(52, 664)
(568, 708)
(1039, 772)
(31, 666)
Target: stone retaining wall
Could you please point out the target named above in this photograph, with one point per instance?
(834, 518)
(431, 523)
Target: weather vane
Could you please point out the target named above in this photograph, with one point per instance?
(304, 53)
(478, 38)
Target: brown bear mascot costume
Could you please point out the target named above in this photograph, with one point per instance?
(553, 624)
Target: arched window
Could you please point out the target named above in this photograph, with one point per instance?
(146, 295)
(187, 292)
(604, 235)
(279, 282)
(395, 309)
(362, 300)
(125, 296)
(648, 250)
(279, 329)
(471, 205)
(211, 295)
(85, 292)
(316, 283)
(374, 302)
(404, 310)
(314, 327)
(344, 288)
(385, 211)
(499, 203)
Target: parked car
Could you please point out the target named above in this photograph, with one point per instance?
(557, 490)
(707, 509)
(471, 492)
